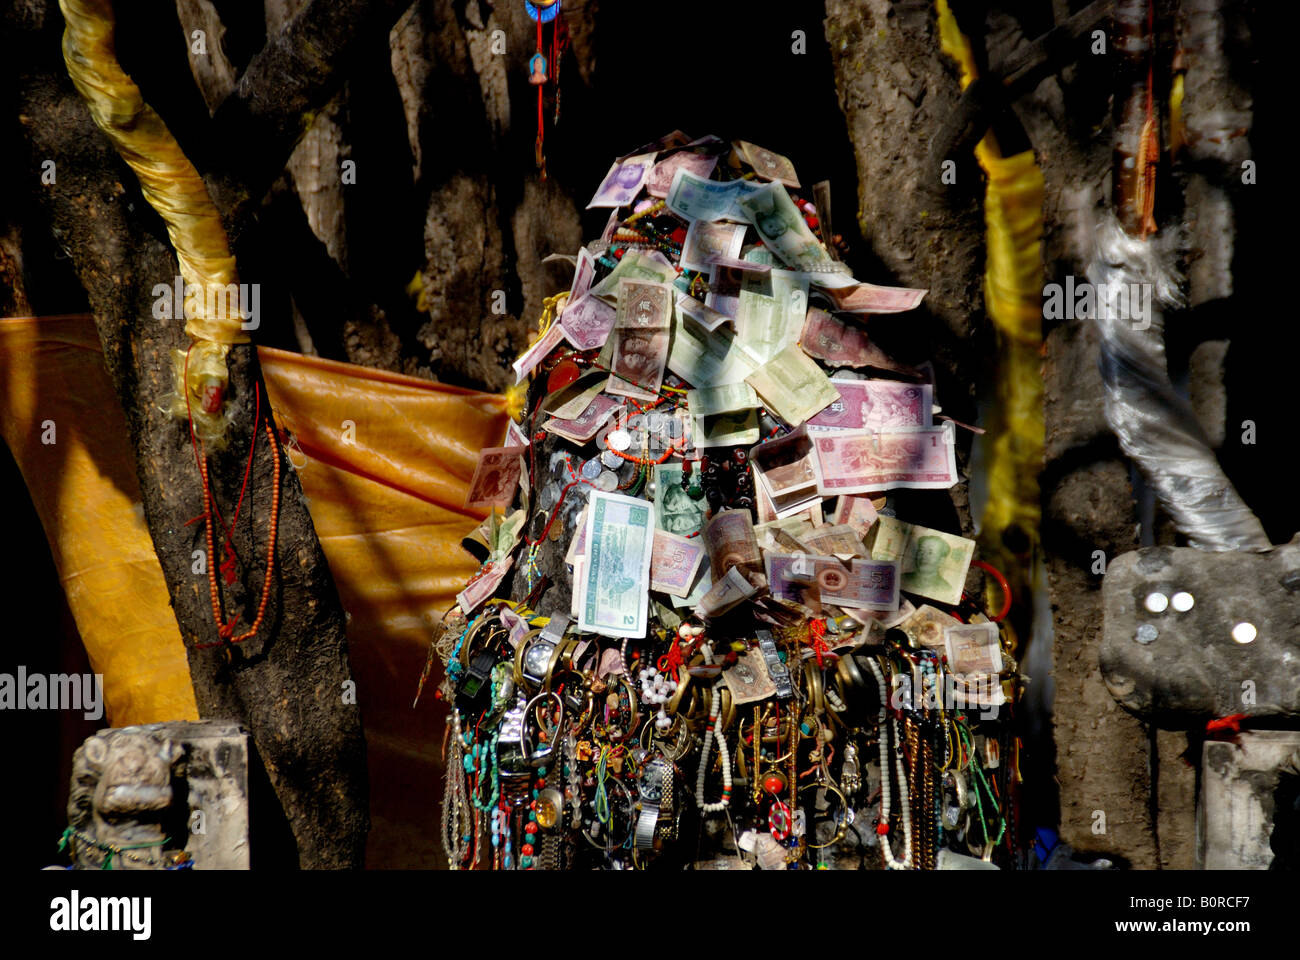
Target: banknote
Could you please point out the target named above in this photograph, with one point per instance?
(616, 575)
(575, 595)
(918, 458)
(583, 273)
(768, 165)
(726, 593)
(706, 358)
(515, 437)
(708, 240)
(725, 284)
(973, 648)
(569, 401)
(842, 344)
(885, 618)
(623, 182)
(858, 512)
(770, 312)
(862, 584)
(732, 429)
(696, 198)
(926, 625)
(587, 322)
(793, 526)
(635, 265)
(869, 298)
(674, 561)
(496, 475)
(793, 387)
(583, 427)
(875, 405)
(786, 471)
(821, 192)
(747, 678)
(835, 539)
(538, 352)
(701, 313)
(661, 175)
(516, 626)
(725, 399)
(642, 329)
(755, 265)
(578, 542)
(483, 585)
(933, 563)
(772, 537)
(703, 582)
(782, 228)
(729, 538)
(675, 510)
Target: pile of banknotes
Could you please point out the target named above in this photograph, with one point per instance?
(714, 444)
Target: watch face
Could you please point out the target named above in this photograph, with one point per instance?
(652, 782)
(537, 657)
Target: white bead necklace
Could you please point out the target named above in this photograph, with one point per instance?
(711, 732)
(904, 806)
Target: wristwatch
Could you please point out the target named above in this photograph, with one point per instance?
(656, 786)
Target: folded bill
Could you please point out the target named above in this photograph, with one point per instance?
(841, 344)
(862, 584)
(706, 401)
(693, 197)
(661, 175)
(726, 593)
(708, 240)
(496, 475)
(642, 330)
(782, 228)
(583, 427)
(729, 538)
(538, 352)
(674, 562)
(869, 298)
(793, 387)
(483, 585)
(858, 512)
(839, 540)
(731, 429)
(768, 165)
(770, 312)
(973, 648)
(587, 322)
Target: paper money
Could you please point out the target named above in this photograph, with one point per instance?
(734, 429)
(869, 298)
(782, 228)
(496, 475)
(587, 322)
(584, 272)
(707, 240)
(725, 399)
(674, 561)
(841, 344)
(919, 458)
(839, 540)
(875, 405)
(569, 401)
(786, 471)
(749, 265)
(623, 182)
(578, 542)
(701, 313)
(515, 437)
(973, 648)
(661, 175)
(538, 352)
(516, 626)
(786, 531)
(747, 678)
(650, 265)
(706, 359)
(642, 330)
(926, 625)
(793, 387)
(675, 511)
(616, 575)
(726, 593)
(483, 585)
(729, 538)
(884, 618)
(583, 427)
(768, 165)
(822, 201)
(857, 512)
(933, 563)
(863, 584)
(725, 284)
(770, 312)
(696, 198)
(701, 586)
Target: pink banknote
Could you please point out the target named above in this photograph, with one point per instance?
(875, 405)
(920, 458)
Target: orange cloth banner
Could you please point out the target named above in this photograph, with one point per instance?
(384, 460)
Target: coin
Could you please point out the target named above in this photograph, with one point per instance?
(611, 459)
(606, 482)
(591, 469)
(550, 493)
(620, 439)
